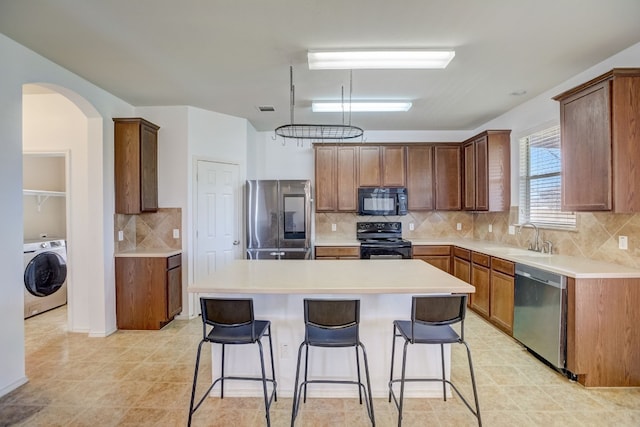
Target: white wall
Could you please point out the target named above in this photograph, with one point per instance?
(21, 66)
(47, 217)
(543, 109)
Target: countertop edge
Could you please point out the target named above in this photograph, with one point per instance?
(148, 253)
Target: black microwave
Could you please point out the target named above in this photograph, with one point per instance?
(382, 201)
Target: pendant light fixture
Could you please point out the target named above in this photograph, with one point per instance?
(318, 132)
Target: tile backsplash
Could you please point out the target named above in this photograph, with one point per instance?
(596, 236)
(152, 230)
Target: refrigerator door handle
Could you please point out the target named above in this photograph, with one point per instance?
(275, 253)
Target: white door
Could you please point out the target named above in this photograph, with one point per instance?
(217, 217)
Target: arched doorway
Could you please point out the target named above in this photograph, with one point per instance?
(57, 120)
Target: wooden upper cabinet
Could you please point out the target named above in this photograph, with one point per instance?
(447, 162)
(382, 166)
(326, 178)
(347, 179)
(393, 166)
(487, 172)
(136, 165)
(369, 174)
(336, 179)
(600, 140)
(420, 188)
(469, 180)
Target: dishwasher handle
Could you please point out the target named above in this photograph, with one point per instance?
(546, 277)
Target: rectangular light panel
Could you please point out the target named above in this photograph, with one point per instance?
(378, 59)
(359, 107)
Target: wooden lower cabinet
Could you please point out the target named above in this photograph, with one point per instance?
(603, 343)
(501, 307)
(337, 252)
(481, 280)
(148, 291)
(461, 265)
(437, 255)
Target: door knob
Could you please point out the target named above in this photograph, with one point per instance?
(236, 242)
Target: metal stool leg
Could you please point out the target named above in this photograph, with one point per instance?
(273, 369)
(306, 370)
(264, 383)
(222, 374)
(195, 380)
(393, 353)
(359, 379)
(404, 369)
(473, 384)
(296, 394)
(370, 397)
(444, 383)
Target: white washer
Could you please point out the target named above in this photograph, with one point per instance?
(45, 276)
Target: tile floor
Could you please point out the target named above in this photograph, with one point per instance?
(144, 378)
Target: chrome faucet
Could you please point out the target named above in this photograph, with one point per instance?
(535, 245)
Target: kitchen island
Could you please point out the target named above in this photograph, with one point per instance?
(384, 287)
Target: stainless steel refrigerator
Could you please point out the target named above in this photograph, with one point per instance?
(278, 219)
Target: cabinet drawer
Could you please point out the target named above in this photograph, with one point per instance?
(174, 261)
(431, 250)
(462, 253)
(480, 259)
(503, 266)
(337, 251)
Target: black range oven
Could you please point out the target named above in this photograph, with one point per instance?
(382, 240)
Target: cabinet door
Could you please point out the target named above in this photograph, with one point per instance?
(347, 179)
(369, 168)
(149, 168)
(326, 175)
(480, 278)
(469, 183)
(420, 178)
(174, 292)
(447, 177)
(393, 166)
(462, 270)
(441, 262)
(482, 174)
(502, 293)
(141, 292)
(586, 149)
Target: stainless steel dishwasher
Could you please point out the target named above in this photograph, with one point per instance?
(539, 320)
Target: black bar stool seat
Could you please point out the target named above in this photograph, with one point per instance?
(431, 320)
(331, 323)
(232, 322)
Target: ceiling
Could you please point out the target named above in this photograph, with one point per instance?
(231, 56)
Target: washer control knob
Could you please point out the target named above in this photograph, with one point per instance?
(43, 245)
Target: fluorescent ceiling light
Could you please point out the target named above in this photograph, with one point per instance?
(358, 107)
(378, 59)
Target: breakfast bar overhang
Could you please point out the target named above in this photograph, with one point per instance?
(384, 287)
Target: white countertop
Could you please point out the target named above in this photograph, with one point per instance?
(148, 253)
(576, 267)
(330, 277)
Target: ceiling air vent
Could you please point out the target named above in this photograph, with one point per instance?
(266, 108)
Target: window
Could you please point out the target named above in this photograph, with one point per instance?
(540, 181)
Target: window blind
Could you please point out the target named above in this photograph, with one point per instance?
(540, 181)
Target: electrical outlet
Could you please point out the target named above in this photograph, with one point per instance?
(120, 236)
(512, 229)
(334, 227)
(622, 242)
(459, 226)
(176, 233)
(490, 228)
(411, 227)
(284, 351)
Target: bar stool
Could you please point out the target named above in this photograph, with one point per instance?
(431, 317)
(331, 323)
(232, 322)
